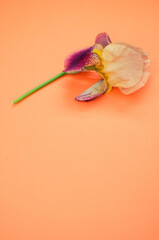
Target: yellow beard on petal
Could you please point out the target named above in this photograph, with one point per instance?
(99, 69)
(109, 89)
(98, 52)
(105, 82)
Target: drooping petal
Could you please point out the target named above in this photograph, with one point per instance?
(141, 83)
(126, 66)
(103, 39)
(94, 91)
(77, 60)
(123, 64)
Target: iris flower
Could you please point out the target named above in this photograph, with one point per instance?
(119, 65)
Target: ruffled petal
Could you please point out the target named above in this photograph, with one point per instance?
(77, 60)
(94, 91)
(123, 64)
(137, 49)
(103, 39)
(141, 83)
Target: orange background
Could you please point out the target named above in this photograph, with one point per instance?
(72, 170)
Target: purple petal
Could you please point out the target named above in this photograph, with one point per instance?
(103, 39)
(77, 60)
(93, 92)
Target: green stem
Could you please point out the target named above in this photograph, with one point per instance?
(38, 87)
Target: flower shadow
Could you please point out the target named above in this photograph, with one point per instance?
(114, 101)
(75, 85)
